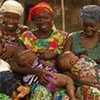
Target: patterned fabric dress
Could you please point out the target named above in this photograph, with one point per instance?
(86, 92)
(54, 42)
(85, 67)
(4, 97)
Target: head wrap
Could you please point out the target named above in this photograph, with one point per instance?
(1, 13)
(39, 8)
(12, 6)
(91, 13)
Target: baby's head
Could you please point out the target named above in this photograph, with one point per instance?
(67, 60)
(26, 58)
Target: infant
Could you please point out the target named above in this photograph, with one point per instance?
(9, 85)
(83, 66)
(29, 58)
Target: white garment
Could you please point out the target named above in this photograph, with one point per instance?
(12, 6)
(4, 66)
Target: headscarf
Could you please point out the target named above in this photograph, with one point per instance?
(12, 6)
(39, 8)
(1, 13)
(91, 13)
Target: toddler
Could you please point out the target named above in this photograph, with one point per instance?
(83, 66)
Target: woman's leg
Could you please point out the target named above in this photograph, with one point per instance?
(61, 94)
(39, 92)
(4, 97)
(8, 83)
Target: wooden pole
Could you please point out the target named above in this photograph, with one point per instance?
(63, 15)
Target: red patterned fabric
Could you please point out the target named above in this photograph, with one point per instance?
(39, 8)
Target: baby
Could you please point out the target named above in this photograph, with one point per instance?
(83, 66)
(9, 85)
(29, 58)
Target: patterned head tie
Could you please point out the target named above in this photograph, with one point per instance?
(91, 13)
(12, 6)
(42, 7)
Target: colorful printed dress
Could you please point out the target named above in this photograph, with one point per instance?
(54, 42)
(86, 92)
(85, 67)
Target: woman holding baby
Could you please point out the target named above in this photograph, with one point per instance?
(86, 42)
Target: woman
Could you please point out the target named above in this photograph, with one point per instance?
(86, 42)
(9, 32)
(46, 41)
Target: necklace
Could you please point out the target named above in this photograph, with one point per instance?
(7, 37)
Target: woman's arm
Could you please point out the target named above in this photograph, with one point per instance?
(13, 63)
(48, 55)
(40, 72)
(74, 77)
(68, 43)
(0, 49)
(8, 51)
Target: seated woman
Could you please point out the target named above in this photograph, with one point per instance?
(48, 42)
(9, 85)
(9, 33)
(28, 58)
(83, 66)
(86, 42)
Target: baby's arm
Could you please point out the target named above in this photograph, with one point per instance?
(48, 55)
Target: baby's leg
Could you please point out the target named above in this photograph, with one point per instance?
(65, 81)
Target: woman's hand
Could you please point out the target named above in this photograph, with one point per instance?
(90, 80)
(83, 56)
(8, 51)
(42, 74)
(47, 54)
